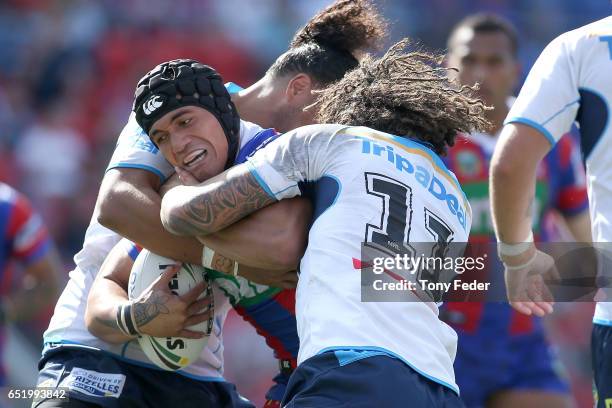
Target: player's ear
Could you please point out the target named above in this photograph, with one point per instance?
(299, 88)
(445, 58)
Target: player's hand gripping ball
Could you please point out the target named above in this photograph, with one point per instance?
(170, 300)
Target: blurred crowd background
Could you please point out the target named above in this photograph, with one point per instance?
(67, 74)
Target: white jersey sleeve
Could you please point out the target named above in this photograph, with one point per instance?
(298, 156)
(368, 189)
(548, 100)
(570, 82)
(135, 150)
(563, 78)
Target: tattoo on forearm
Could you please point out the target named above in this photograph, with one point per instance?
(221, 206)
(148, 310)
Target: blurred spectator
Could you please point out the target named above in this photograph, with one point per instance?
(50, 155)
(25, 239)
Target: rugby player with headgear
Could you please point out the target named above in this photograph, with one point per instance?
(129, 204)
(373, 173)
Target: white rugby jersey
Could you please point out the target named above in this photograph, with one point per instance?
(67, 327)
(571, 81)
(370, 186)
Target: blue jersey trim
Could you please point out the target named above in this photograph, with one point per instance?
(348, 356)
(560, 111)
(50, 344)
(125, 346)
(605, 100)
(339, 187)
(607, 39)
(602, 322)
(321, 193)
(74, 344)
(261, 182)
(259, 141)
(133, 252)
(286, 188)
(380, 351)
(420, 146)
(233, 88)
(152, 169)
(534, 125)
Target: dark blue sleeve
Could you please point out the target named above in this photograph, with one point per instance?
(258, 141)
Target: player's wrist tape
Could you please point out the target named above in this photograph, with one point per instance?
(207, 258)
(515, 249)
(522, 266)
(126, 321)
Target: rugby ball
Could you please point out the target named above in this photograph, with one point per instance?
(170, 353)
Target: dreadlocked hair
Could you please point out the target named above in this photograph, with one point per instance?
(407, 94)
(327, 46)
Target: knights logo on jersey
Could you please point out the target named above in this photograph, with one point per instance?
(468, 164)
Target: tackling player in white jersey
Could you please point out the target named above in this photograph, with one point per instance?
(101, 373)
(129, 201)
(569, 82)
(367, 184)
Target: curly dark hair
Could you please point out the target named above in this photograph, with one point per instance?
(328, 45)
(407, 94)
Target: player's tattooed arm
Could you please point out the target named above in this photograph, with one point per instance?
(144, 310)
(148, 309)
(213, 205)
(110, 323)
